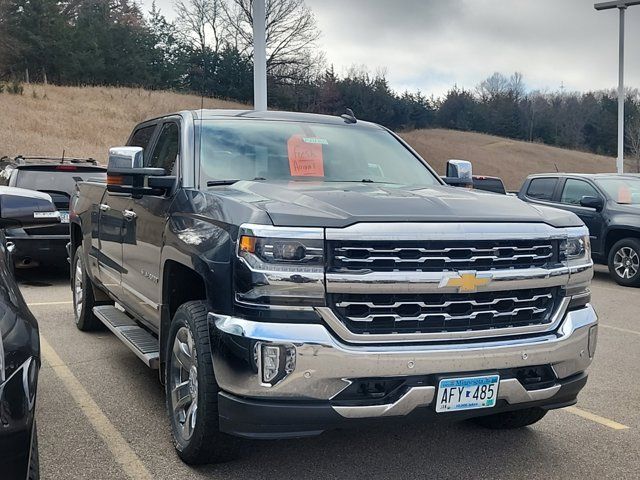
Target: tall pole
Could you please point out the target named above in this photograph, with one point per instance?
(620, 161)
(259, 56)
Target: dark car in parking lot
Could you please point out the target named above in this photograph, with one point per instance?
(608, 204)
(19, 341)
(34, 247)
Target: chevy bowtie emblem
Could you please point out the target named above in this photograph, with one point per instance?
(466, 282)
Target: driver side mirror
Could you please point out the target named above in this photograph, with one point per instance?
(26, 208)
(459, 173)
(592, 202)
(126, 173)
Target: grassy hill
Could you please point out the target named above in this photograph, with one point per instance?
(86, 121)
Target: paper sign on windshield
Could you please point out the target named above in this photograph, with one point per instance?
(305, 157)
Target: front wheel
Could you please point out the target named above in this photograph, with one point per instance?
(192, 391)
(624, 262)
(514, 419)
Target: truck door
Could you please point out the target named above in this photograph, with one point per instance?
(141, 257)
(572, 191)
(110, 236)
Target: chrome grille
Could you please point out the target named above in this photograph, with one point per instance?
(437, 255)
(442, 313)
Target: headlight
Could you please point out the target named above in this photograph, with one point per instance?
(280, 266)
(575, 252)
(576, 248)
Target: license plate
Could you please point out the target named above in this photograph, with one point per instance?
(467, 393)
(64, 217)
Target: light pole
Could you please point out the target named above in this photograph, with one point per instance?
(621, 5)
(260, 56)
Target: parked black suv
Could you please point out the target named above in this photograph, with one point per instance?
(58, 179)
(608, 204)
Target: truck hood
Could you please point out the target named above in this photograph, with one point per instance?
(325, 204)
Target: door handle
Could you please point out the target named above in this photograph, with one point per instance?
(129, 214)
(104, 207)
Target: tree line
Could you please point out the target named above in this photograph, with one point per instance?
(208, 50)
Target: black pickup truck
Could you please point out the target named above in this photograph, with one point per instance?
(291, 273)
(608, 204)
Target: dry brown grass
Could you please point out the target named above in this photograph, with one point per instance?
(84, 121)
(510, 159)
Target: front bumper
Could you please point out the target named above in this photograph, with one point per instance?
(305, 400)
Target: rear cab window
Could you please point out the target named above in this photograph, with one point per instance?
(542, 188)
(58, 180)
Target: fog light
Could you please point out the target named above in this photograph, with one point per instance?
(593, 340)
(277, 361)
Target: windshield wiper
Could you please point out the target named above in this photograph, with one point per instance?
(215, 183)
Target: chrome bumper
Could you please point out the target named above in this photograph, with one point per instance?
(324, 365)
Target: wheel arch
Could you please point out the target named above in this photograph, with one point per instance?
(180, 284)
(615, 234)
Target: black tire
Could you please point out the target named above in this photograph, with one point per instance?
(624, 262)
(205, 444)
(34, 461)
(514, 419)
(83, 313)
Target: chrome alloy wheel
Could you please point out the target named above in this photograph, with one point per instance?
(626, 262)
(183, 383)
(78, 288)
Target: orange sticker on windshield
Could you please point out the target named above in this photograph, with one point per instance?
(624, 194)
(305, 158)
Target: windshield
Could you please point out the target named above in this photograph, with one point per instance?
(624, 190)
(274, 150)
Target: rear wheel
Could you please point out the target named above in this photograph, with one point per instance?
(514, 419)
(83, 299)
(192, 391)
(624, 262)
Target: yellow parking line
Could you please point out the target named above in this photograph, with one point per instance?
(596, 418)
(624, 330)
(120, 449)
(39, 304)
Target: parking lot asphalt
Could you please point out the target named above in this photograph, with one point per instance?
(101, 415)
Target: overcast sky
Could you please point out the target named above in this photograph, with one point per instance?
(432, 44)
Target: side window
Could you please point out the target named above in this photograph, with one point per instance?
(542, 188)
(166, 151)
(142, 136)
(574, 190)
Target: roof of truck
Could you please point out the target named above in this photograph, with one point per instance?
(583, 175)
(273, 115)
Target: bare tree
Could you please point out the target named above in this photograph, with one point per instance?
(498, 85)
(291, 28)
(632, 132)
(202, 23)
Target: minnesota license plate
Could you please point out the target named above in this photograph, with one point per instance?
(64, 217)
(467, 393)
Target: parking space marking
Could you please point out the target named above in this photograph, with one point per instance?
(624, 330)
(120, 449)
(41, 304)
(596, 418)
